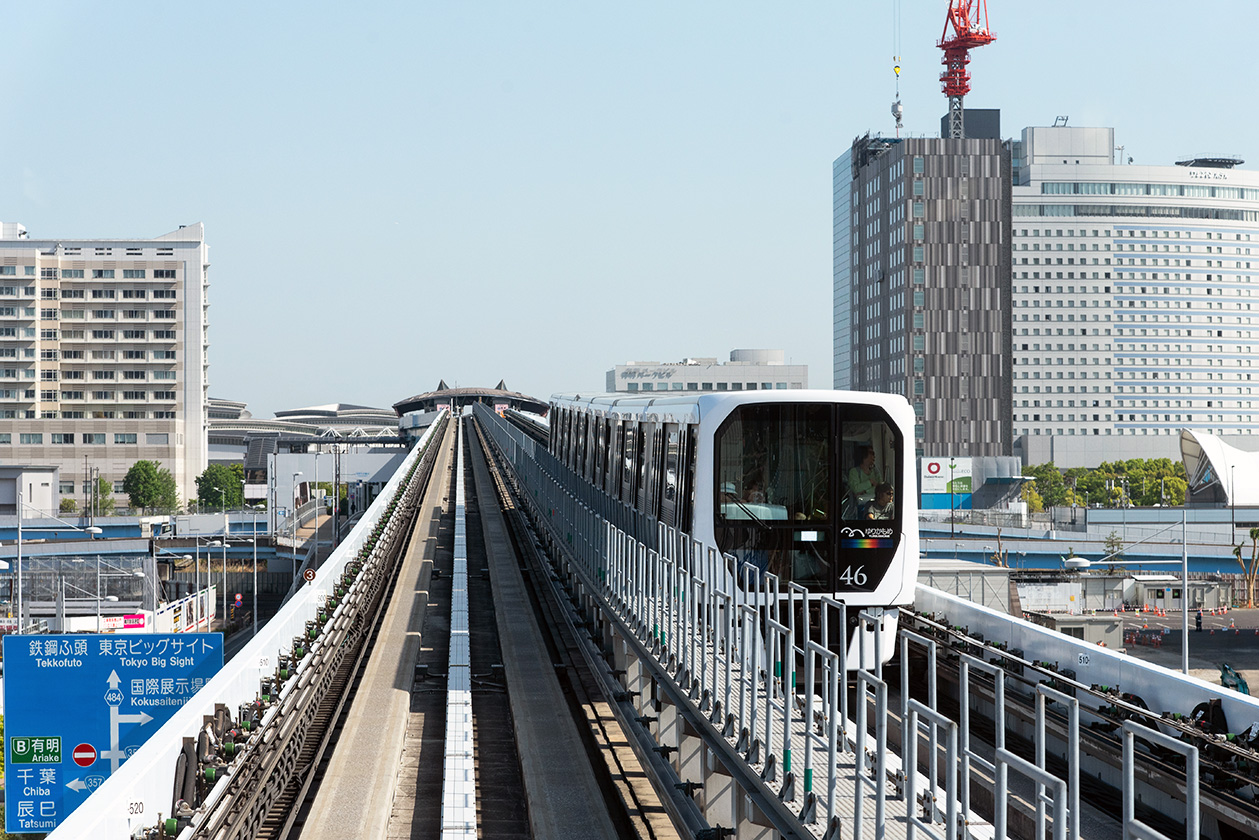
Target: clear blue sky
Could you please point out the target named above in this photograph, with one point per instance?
(395, 193)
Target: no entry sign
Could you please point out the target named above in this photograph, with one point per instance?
(85, 755)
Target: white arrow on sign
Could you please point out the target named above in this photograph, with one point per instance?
(77, 784)
(115, 754)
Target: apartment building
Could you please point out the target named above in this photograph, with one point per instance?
(103, 360)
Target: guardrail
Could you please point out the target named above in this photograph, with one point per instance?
(264, 696)
(734, 652)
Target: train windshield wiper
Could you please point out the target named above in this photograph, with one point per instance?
(752, 515)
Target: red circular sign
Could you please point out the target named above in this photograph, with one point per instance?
(85, 755)
(309, 575)
(933, 467)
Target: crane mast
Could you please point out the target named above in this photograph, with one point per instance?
(965, 29)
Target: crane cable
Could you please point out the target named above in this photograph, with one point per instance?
(896, 44)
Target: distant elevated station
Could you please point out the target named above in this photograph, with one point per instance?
(417, 412)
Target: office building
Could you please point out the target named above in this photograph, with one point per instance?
(922, 301)
(103, 355)
(1134, 302)
(747, 370)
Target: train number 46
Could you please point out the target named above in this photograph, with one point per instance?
(854, 577)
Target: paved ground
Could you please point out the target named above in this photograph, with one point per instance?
(1231, 639)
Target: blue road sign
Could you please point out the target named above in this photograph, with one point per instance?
(75, 707)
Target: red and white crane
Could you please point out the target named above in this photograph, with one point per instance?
(965, 29)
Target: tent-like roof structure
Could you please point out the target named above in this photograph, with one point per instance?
(1219, 473)
(458, 397)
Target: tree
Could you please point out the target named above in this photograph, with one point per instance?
(1253, 571)
(1049, 484)
(69, 505)
(220, 487)
(1029, 495)
(104, 497)
(148, 484)
(1114, 546)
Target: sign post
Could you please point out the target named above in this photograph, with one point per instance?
(76, 706)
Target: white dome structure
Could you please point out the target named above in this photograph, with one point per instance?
(1219, 473)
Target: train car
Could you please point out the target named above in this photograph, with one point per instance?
(816, 487)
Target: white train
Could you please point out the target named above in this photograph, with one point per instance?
(816, 487)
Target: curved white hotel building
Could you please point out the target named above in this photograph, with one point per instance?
(1133, 303)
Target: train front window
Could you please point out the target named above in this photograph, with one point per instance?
(868, 457)
(773, 487)
(773, 463)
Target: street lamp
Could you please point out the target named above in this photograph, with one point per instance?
(952, 526)
(1232, 499)
(203, 602)
(92, 531)
(294, 519)
(254, 540)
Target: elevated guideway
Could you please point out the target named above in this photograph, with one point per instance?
(983, 725)
(264, 709)
(698, 654)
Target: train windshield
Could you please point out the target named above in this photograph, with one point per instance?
(796, 481)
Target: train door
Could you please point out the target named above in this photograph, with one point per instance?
(612, 480)
(669, 483)
(629, 462)
(686, 487)
(646, 454)
(601, 450)
(588, 463)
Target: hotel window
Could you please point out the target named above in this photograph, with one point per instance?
(164, 274)
(134, 335)
(63, 438)
(134, 395)
(164, 294)
(71, 274)
(133, 354)
(124, 438)
(168, 335)
(156, 439)
(133, 273)
(103, 274)
(103, 294)
(164, 313)
(133, 294)
(133, 314)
